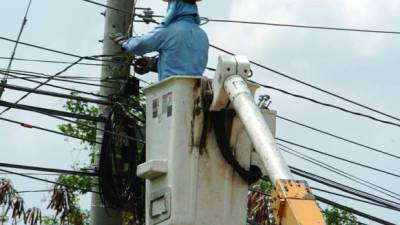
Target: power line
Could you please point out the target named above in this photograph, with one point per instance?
(350, 197)
(328, 105)
(30, 126)
(34, 191)
(37, 174)
(55, 94)
(52, 112)
(24, 20)
(49, 181)
(299, 26)
(56, 86)
(353, 211)
(43, 83)
(93, 58)
(46, 169)
(113, 8)
(32, 75)
(338, 137)
(339, 158)
(50, 61)
(340, 172)
(311, 85)
(48, 112)
(347, 189)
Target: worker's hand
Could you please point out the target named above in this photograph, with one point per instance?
(145, 64)
(118, 39)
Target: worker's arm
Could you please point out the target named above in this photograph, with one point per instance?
(146, 43)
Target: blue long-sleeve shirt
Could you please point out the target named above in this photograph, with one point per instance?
(181, 43)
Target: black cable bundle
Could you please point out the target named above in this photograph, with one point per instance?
(119, 157)
(218, 120)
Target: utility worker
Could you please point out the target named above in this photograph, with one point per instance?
(181, 43)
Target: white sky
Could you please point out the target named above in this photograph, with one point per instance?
(360, 66)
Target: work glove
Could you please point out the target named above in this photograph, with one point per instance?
(146, 64)
(118, 38)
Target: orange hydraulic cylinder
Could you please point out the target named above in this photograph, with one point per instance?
(294, 204)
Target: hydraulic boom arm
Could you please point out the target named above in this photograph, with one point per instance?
(292, 200)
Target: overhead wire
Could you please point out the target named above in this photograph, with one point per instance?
(46, 169)
(312, 86)
(72, 187)
(99, 58)
(56, 94)
(30, 126)
(342, 173)
(338, 137)
(338, 158)
(46, 111)
(33, 75)
(24, 21)
(350, 197)
(42, 83)
(81, 123)
(328, 105)
(50, 61)
(353, 211)
(113, 8)
(206, 19)
(345, 188)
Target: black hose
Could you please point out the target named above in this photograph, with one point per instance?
(218, 120)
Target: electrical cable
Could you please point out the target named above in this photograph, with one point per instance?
(46, 169)
(119, 158)
(93, 58)
(113, 8)
(44, 112)
(337, 136)
(50, 61)
(57, 86)
(43, 83)
(342, 173)
(350, 197)
(34, 191)
(353, 211)
(26, 125)
(328, 105)
(52, 112)
(55, 94)
(300, 26)
(339, 158)
(345, 188)
(312, 86)
(49, 181)
(32, 75)
(218, 119)
(24, 21)
(37, 174)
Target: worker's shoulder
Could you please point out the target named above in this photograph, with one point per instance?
(183, 28)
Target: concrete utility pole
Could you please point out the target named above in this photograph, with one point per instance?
(115, 22)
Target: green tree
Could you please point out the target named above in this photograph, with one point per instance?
(81, 129)
(335, 216)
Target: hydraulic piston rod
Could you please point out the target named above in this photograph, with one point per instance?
(257, 128)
